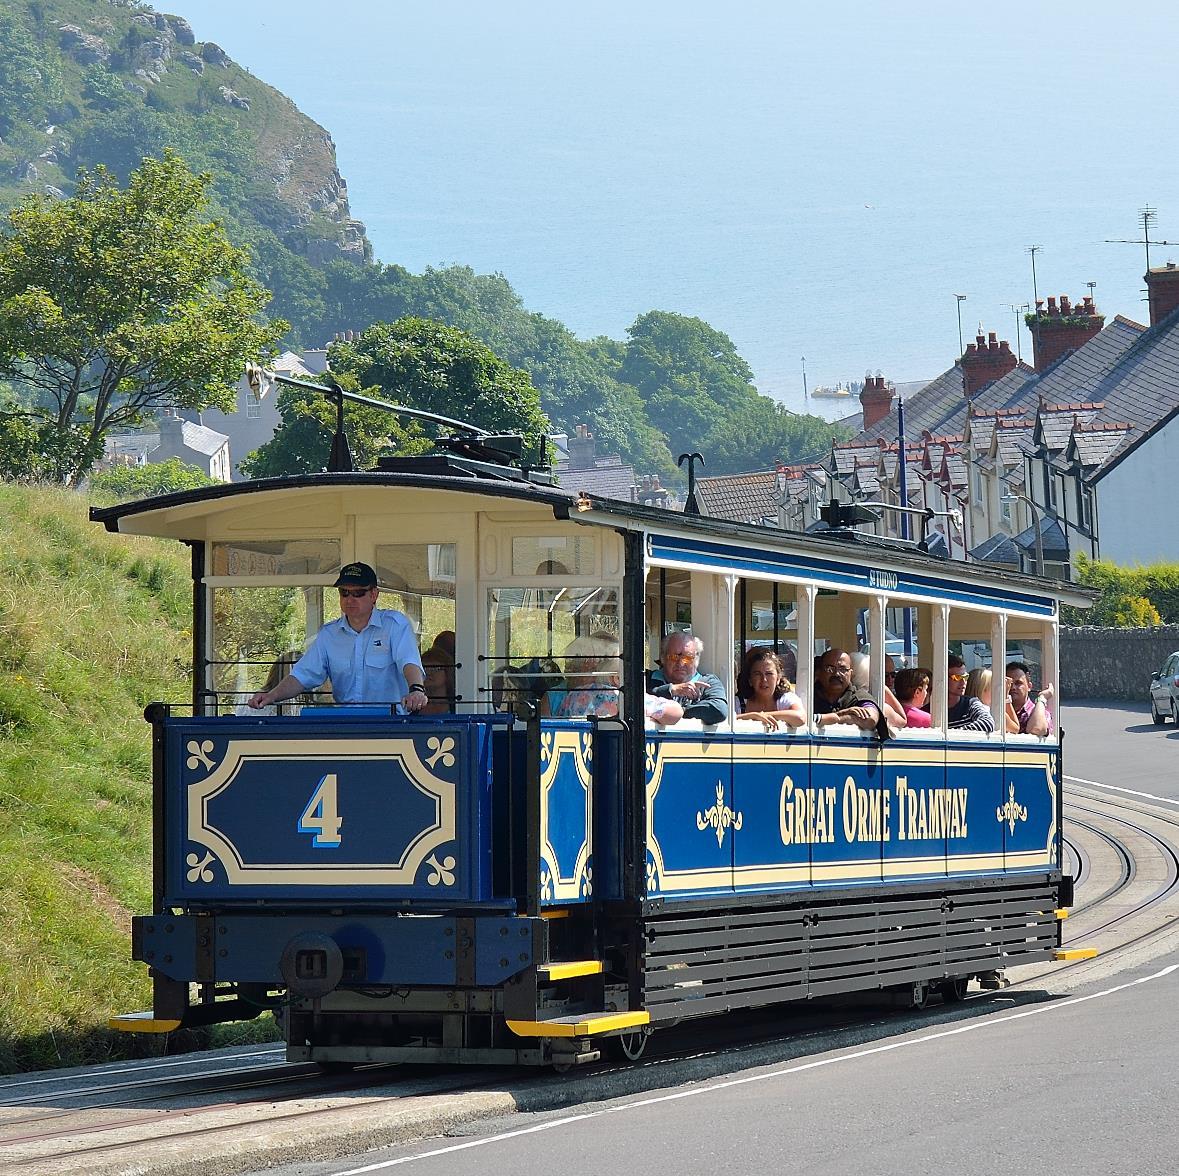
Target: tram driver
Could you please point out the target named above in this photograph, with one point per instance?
(369, 653)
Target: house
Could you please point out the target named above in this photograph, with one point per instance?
(192, 443)
(256, 416)
(579, 467)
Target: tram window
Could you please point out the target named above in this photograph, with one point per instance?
(553, 555)
(255, 558)
(418, 579)
(529, 630)
(253, 627)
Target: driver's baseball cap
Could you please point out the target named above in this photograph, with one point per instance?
(356, 575)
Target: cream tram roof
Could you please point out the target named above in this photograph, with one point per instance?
(321, 504)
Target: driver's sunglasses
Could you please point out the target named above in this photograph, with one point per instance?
(355, 593)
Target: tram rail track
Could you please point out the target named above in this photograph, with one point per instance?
(48, 1124)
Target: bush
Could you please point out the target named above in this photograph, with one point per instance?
(165, 477)
(1130, 597)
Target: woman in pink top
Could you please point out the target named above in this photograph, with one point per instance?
(912, 691)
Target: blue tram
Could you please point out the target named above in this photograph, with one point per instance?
(484, 884)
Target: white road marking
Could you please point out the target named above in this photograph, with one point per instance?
(1115, 788)
(695, 1092)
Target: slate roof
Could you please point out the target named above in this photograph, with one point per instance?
(997, 549)
(1133, 441)
(1090, 445)
(1052, 539)
(202, 439)
(609, 478)
(1054, 422)
(739, 497)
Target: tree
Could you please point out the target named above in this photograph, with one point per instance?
(414, 362)
(118, 302)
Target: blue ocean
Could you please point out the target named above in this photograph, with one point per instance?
(816, 181)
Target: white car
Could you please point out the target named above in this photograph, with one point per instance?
(1164, 692)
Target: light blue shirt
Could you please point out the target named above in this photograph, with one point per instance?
(364, 667)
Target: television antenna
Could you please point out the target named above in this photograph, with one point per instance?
(1146, 217)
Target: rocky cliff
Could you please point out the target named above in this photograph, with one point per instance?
(84, 82)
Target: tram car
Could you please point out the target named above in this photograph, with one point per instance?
(486, 884)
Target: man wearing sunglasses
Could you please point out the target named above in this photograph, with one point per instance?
(964, 714)
(678, 677)
(369, 653)
(839, 701)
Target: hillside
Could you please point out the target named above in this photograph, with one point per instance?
(84, 82)
(92, 627)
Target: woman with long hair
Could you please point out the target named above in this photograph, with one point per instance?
(764, 693)
(912, 691)
(978, 685)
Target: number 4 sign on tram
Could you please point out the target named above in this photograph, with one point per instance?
(321, 816)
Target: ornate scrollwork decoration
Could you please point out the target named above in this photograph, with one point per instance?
(1011, 811)
(546, 746)
(198, 753)
(653, 882)
(198, 868)
(546, 883)
(443, 750)
(719, 817)
(652, 755)
(441, 872)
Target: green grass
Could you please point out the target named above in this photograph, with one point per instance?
(92, 628)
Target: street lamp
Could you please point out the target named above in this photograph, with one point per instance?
(1012, 496)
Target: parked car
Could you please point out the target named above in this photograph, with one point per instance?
(1164, 691)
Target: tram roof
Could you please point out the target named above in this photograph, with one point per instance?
(186, 515)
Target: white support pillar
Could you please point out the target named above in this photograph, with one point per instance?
(727, 673)
(937, 662)
(804, 603)
(1050, 670)
(998, 664)
(876, 642)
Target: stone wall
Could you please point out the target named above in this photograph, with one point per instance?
(1113, 663)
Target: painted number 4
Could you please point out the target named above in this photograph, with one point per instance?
(321, 816)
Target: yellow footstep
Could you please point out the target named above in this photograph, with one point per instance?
(1074, 953)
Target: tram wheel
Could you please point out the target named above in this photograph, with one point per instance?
(629, 1047)
(954, 990)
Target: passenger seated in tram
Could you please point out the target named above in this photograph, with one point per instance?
(964, 713)
(591, 680)
(912, 691)
(439, 682)
(591, 671)
(978, 685)
(861, 676)
(1029, 706)
(764, 693)
(839, 700)
(678, 677)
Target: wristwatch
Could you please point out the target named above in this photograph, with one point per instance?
(418, 687)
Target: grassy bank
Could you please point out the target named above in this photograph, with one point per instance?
(92, 628)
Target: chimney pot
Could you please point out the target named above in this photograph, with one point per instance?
(1052, 305)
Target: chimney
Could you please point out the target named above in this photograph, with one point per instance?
(582, 449)
(876, 399)
(1162, 285)
(984, 361)
(1062, 328)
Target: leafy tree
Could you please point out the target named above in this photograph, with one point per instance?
(118, 302)
(413, 362)
(1129, 597)
(165, 477)
(424, 364)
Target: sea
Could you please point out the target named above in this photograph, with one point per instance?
(820, 182)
